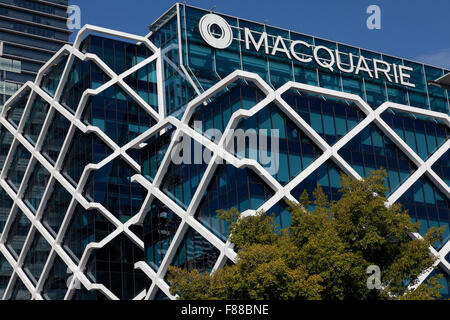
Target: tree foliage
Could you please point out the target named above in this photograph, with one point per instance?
(325, 252)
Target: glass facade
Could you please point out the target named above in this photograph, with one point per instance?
(31, 33)
(100, 176)
(207, 65)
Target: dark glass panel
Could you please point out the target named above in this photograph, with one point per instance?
(160, 295)
(280, 211)
(56, 285)
(442, 167)
(16, 108)
(19, 291)
(424, 135)
(427, 204)
(6, 140)
(118, 55)
(18, 233)
(36, 257)
(33, 125)
(51, 78)
(371, 149)
(85, 226)
(181, 180)
(83, 150)
(178, 89)
(83, 75)
(327, 176)
(195, 252)
(113, 266)
(330, 118)
(83, 294)
(144, 82)
(56, 208)
(18, 166)
(296, 150)
(55, 136)
(218, 112)
(231, 187)
(153, 153)
(5, 274)
(160, 226)
(6, 204)
(112, 187)
(117, 114)
(36, 186)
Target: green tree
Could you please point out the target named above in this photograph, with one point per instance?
(325, 252)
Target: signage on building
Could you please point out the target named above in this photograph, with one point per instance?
(216, 32)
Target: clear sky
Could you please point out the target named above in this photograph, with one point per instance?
(412, 29)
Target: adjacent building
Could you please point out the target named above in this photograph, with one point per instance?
(31, 32)
(95, 202)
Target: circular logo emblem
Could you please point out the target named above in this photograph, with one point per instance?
(216, 31)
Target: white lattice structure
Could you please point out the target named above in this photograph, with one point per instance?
(330, 152)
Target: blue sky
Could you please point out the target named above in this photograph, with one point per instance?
(412, 29)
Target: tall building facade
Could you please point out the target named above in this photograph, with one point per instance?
(94, 205)
(31, 32)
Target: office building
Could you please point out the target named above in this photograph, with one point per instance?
(93, 203)
(31, 32)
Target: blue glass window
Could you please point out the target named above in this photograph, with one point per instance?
(331, 118)
(296, 150)
(19, 291)
(111, 186)
(280, 211)
(424, 135)
(36, 257)
(153, 153)
(5, 274)
(56, 208)
(160, 226)
(327, 176)
(371, 149)
(55, 137)
(118, 55)
(16, 108)
(218, 112)
(117, 114)
(113, 266)
(83, 75)
(144, 82)
(83, 150)
(36, 186)
(55, 287)
(18, 233)
(5, 208)
(51, 78)
(427, 204)
(181, 180)
(231, 188)
(33, 125)
(195, 252)
(85, 226)
(442, 167)
(18, 166)
(6, 140)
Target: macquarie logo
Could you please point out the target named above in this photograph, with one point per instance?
(209, 24)
(217, 33)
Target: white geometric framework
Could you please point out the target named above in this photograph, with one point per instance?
(181, 127)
